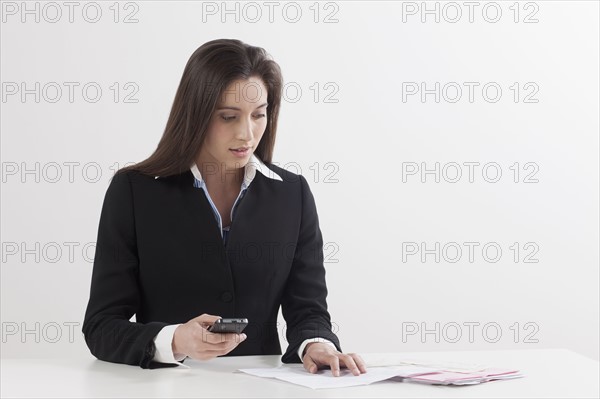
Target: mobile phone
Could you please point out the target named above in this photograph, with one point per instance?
(228, 326)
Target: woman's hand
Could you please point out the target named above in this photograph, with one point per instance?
(319, 354)
(192, 339)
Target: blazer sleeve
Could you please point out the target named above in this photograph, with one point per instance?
(115, 292)
(303, 304)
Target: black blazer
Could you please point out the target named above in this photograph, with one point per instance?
(160, 255)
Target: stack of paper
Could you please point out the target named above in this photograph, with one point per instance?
(460, 378)
(296, 374)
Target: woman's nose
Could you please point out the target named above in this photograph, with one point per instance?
(245, 131)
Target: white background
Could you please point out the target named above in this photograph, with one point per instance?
(378, 292)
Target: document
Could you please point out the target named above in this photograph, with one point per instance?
(296, 374)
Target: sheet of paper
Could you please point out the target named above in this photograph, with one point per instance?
(449, 376)
(296, 374)
(383, 359)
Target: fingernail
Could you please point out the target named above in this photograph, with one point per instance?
(313, 369)
(336, 373)
(244, 336)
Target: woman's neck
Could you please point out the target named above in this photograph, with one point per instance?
(219, 179)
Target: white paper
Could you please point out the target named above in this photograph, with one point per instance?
(382, 359)
(296, 374)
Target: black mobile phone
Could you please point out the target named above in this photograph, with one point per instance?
(228, 326)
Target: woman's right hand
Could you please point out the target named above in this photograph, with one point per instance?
(192, 339)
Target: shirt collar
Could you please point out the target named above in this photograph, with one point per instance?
(253, 165)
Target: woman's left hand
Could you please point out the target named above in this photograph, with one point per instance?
(319, 355)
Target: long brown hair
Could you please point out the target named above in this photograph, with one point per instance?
(208, 72)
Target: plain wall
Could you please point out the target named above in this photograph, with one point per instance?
(400, 272)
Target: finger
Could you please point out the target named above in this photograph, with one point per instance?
(222, 349)
(218, 349)
(309, 364)
(348, 361)
(206, 354)
(334, 364)
(203, 355)
(233, 341)
(362, 366)
(223, 339)
(221, 346)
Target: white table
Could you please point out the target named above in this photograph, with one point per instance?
(556, 373)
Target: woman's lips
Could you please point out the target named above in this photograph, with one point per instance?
(241, 152)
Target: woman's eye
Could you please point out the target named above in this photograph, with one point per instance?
(228, 118)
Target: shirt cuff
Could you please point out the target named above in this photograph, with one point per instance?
(164, 350)
(307, 341)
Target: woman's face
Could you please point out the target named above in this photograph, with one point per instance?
(238, 122)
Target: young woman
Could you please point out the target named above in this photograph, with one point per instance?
(207, 227)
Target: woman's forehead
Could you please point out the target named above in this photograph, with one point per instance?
(251, 93)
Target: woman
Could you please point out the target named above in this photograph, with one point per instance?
(207, 227)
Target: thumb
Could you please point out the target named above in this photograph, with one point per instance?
(309, 364)
(206, 319)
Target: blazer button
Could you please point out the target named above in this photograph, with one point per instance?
(226, 296)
